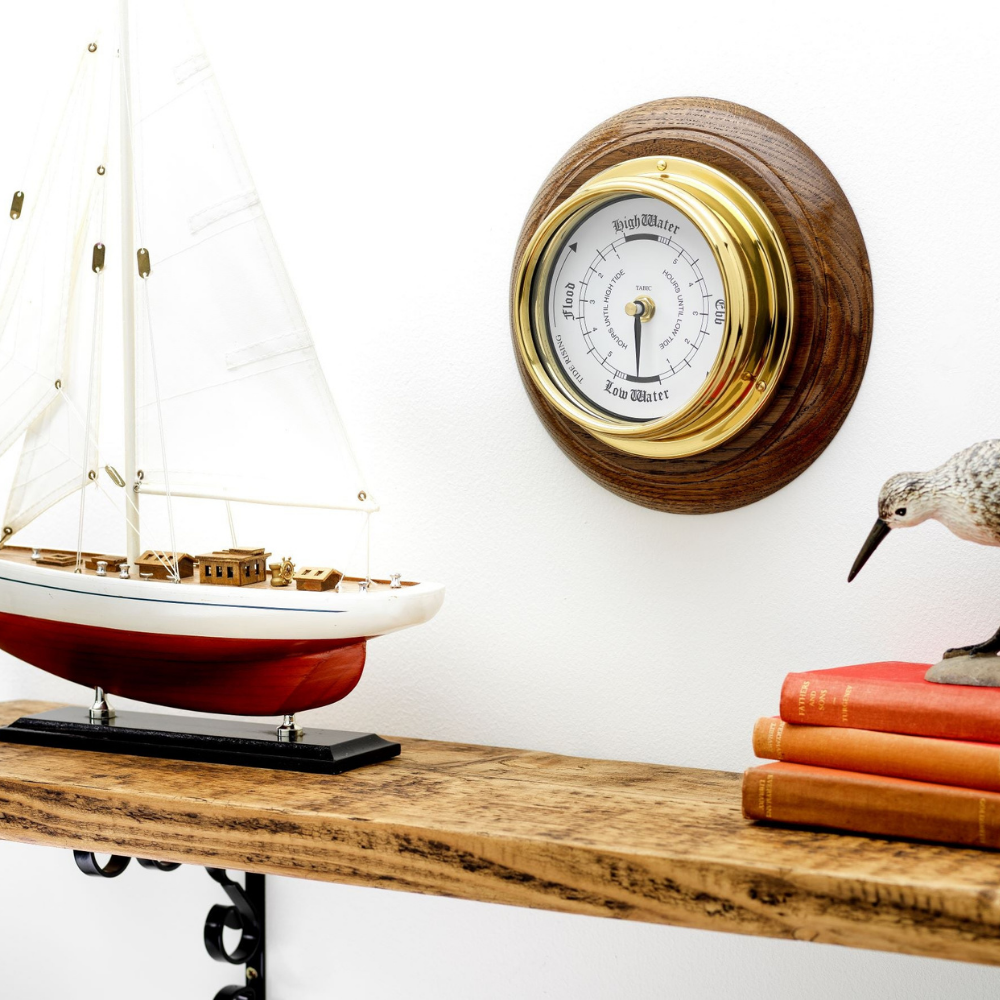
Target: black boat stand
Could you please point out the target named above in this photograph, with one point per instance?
(205, 739)
(247, 914)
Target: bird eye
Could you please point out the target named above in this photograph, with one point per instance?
(901, 511)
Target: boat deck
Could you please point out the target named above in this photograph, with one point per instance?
(23, 555)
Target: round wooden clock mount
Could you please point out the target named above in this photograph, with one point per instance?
(691, 305)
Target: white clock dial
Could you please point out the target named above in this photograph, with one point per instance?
(635, 308)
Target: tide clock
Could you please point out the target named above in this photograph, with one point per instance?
(691, 305)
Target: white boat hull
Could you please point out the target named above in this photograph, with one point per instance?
(255, 650)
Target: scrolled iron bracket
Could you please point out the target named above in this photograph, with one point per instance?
(246, 913)
(236, 993)
(158, 866)
(87, 862)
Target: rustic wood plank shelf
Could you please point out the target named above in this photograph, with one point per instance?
(634, 841)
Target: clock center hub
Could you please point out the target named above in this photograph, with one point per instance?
(642, 306)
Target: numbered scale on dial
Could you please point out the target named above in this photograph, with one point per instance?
(636, 309)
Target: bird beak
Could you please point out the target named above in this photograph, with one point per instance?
(872, 542)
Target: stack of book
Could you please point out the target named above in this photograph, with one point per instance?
(877, 749)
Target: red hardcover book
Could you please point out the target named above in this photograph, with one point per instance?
(919, 758)
(892, 698)
(870, 803)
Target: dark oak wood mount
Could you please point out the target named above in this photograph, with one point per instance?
(832, 281)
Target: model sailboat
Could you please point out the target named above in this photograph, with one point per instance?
(217, 358)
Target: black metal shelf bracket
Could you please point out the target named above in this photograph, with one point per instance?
(246, 913)
(158, 866)
(89, 865)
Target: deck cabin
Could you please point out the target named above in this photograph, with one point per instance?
(160, 565)
(233, 567)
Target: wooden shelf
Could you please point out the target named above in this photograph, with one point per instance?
(634, 841)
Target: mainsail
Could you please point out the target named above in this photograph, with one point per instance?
(224, 355)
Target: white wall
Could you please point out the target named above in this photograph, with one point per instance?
(575, 622)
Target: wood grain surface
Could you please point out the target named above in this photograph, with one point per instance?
(634, 841)
(832, 282)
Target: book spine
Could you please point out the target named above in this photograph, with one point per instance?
(864, 803)
(920, 708)
(919, 758)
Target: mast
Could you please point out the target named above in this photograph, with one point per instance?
(128, 288)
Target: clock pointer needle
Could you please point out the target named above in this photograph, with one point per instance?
(638, 340)
(638, 310)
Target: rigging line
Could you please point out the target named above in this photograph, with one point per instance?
(349, 551)
(138, 214)
(156, 492)
(44, 325)
(75, 411)
(85, 472)
(26, 166)
(75, 251)
(95, 339)
(232, 525)
(150, 490)
(159, 554)
(6, 243)
(274, 259)
(74, 246)
(38, 208)
(326, 392)
(159, 421)
(64, 114)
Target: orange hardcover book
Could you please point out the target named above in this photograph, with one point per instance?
(869, 803)
(919, 758)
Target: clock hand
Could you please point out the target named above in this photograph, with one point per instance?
(637, 333)
(642, 309)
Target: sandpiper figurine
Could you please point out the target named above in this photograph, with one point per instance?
(964, 495)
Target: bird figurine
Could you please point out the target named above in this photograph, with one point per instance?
(964, 495)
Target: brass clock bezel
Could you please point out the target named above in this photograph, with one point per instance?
(757, 335)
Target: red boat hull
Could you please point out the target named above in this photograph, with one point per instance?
(230, 676)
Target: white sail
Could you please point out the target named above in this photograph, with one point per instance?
(224, 353)
(42, 260)
(50, 344)
(58, 452)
